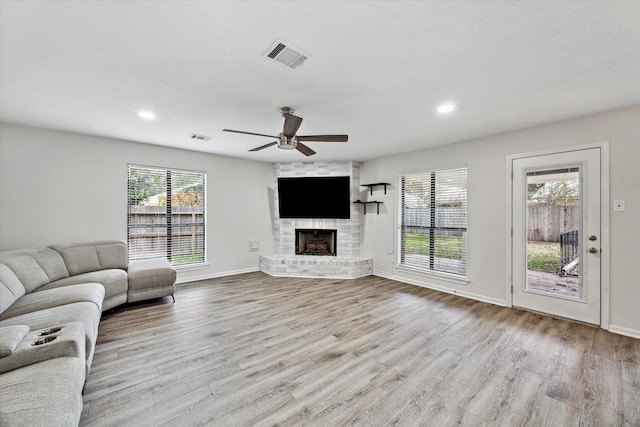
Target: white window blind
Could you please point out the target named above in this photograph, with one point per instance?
(433, 221)
(165, 214)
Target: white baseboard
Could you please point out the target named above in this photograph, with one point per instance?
(214, 275)
(621, 330)
(470, 295)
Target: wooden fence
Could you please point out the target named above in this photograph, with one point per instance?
(547, 223)
(449, 221)
(148, 231)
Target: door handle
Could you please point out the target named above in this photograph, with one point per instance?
(593, 250)
(592, 238)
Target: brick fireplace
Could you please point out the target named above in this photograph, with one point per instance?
(347, 262)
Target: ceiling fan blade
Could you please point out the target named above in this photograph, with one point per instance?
(304, 149)
(248, 133)
(291, 125)
(262, 147)
(323, 138)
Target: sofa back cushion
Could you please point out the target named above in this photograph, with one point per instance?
(10, 288)
(93, 256)
(35, 267)
(112, 255)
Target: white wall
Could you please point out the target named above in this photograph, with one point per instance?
(486, 160)
(59, 187)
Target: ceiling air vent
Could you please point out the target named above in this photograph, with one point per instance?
(287, 55)
(200, 137)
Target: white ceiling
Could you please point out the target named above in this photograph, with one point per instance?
(377, 70)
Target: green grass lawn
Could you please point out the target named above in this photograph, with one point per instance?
(543, 256)
(187, 259)
(449, 247)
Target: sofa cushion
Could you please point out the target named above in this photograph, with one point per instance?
(113, 280)
(11, 281)
(80, 259)
(10, 337)
(44, 394)
(150, 273)
(27, 269)
(150, 278)
(7, 298)
(112, 255)
(36, 266)
(51, 262)
(40, 300)
(93, 256)
(10, 288)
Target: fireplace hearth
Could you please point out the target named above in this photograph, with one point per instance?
(319, 242)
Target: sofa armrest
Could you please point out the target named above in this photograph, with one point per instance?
(10, 337)
(44, 344)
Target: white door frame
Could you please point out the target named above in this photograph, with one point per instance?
(604, 222)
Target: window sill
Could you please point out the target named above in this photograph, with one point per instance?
(453, 279)
(188, 267)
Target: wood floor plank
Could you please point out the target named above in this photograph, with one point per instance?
(630, 369)
(252, 349)
(551, 412)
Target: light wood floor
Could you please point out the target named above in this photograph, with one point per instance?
(256, 350)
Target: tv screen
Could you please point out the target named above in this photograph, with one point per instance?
(314, 197)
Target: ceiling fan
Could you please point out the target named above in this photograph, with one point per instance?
(288, 140)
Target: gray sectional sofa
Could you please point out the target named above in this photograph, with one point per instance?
(51, 302)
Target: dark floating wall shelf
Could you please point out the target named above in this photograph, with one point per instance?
(370, 186)
(359, 202)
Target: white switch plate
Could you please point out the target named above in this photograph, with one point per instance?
(254, 244)
(618, 206)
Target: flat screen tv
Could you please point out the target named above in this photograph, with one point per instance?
(314, 197)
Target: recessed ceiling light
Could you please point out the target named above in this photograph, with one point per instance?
(446, 108)
(147, 115)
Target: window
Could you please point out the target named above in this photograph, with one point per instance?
(433, 221)
(165, 214)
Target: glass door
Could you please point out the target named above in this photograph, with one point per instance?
(556, 227)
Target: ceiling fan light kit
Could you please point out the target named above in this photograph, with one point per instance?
(286, 143)
(288, 140)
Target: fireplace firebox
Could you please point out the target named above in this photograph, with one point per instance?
(316, 242)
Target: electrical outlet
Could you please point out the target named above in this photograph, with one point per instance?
(618, 206)
(254, 245)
